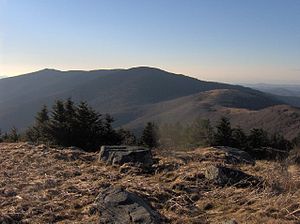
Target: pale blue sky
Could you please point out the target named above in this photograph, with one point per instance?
(222, 40)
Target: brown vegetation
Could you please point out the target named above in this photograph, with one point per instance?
(39, 184)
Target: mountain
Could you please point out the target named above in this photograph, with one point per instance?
(133, 96)
(234, 104)
(2, 76)
(289, 94)
(277, 89)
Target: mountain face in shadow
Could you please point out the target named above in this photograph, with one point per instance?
(130, 95)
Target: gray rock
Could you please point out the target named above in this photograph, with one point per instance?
(268, 153)
(226, 176)
(118, 155)
(116, 205)
(235, 156)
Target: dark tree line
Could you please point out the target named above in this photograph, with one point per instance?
(202, 133)
(257, 138)
(70, 124)
(11, 136)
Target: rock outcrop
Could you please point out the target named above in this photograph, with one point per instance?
(222, 176)
(116, 205)
(118, 155)
(268, 153)
(235, 156)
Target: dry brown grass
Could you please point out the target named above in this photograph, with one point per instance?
(45, 185)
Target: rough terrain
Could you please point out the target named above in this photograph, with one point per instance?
(40, 184)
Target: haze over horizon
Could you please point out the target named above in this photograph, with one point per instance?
(237, 42)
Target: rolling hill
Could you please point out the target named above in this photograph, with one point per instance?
(289, 94)
(134, 96)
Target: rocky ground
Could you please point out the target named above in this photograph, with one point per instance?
(39, 184)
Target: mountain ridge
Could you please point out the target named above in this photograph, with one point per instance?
(127, 94)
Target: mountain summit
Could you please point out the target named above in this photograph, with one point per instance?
(132, 95)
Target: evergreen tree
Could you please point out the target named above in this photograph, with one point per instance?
(223, 135)
(88, 126)
(5, 137)
(70, 116)
(258, 138)
(149, 137)
(58, 128)
(108, 133)
(277, 141)
(13, 135)
(239, 138)
(126, 137)
(39, 131)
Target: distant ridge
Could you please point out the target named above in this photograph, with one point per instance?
(130, 95)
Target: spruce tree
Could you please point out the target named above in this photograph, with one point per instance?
(258, 138)
(70, 116)
(89, 127)
(38, 132)
(277, 141)
(126, 137)
(149, 137)
(239, 138)
(223, 135)
(58, 128)
(13, 135)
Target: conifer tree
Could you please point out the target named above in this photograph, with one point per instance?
(13, 135)
(58, 124)
(223, 135)
(89, 127)
(41, 125)
(258, 138)
(149, 137)
(277, 141)
(126, 137)
(239, 138)
(70, 116)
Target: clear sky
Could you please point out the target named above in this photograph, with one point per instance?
(222, 40)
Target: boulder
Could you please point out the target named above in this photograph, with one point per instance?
(116, 205)
(268, 153)
(235, 156)
(222, 176)
(118, 155)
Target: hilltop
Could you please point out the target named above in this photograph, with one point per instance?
(40, 184)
